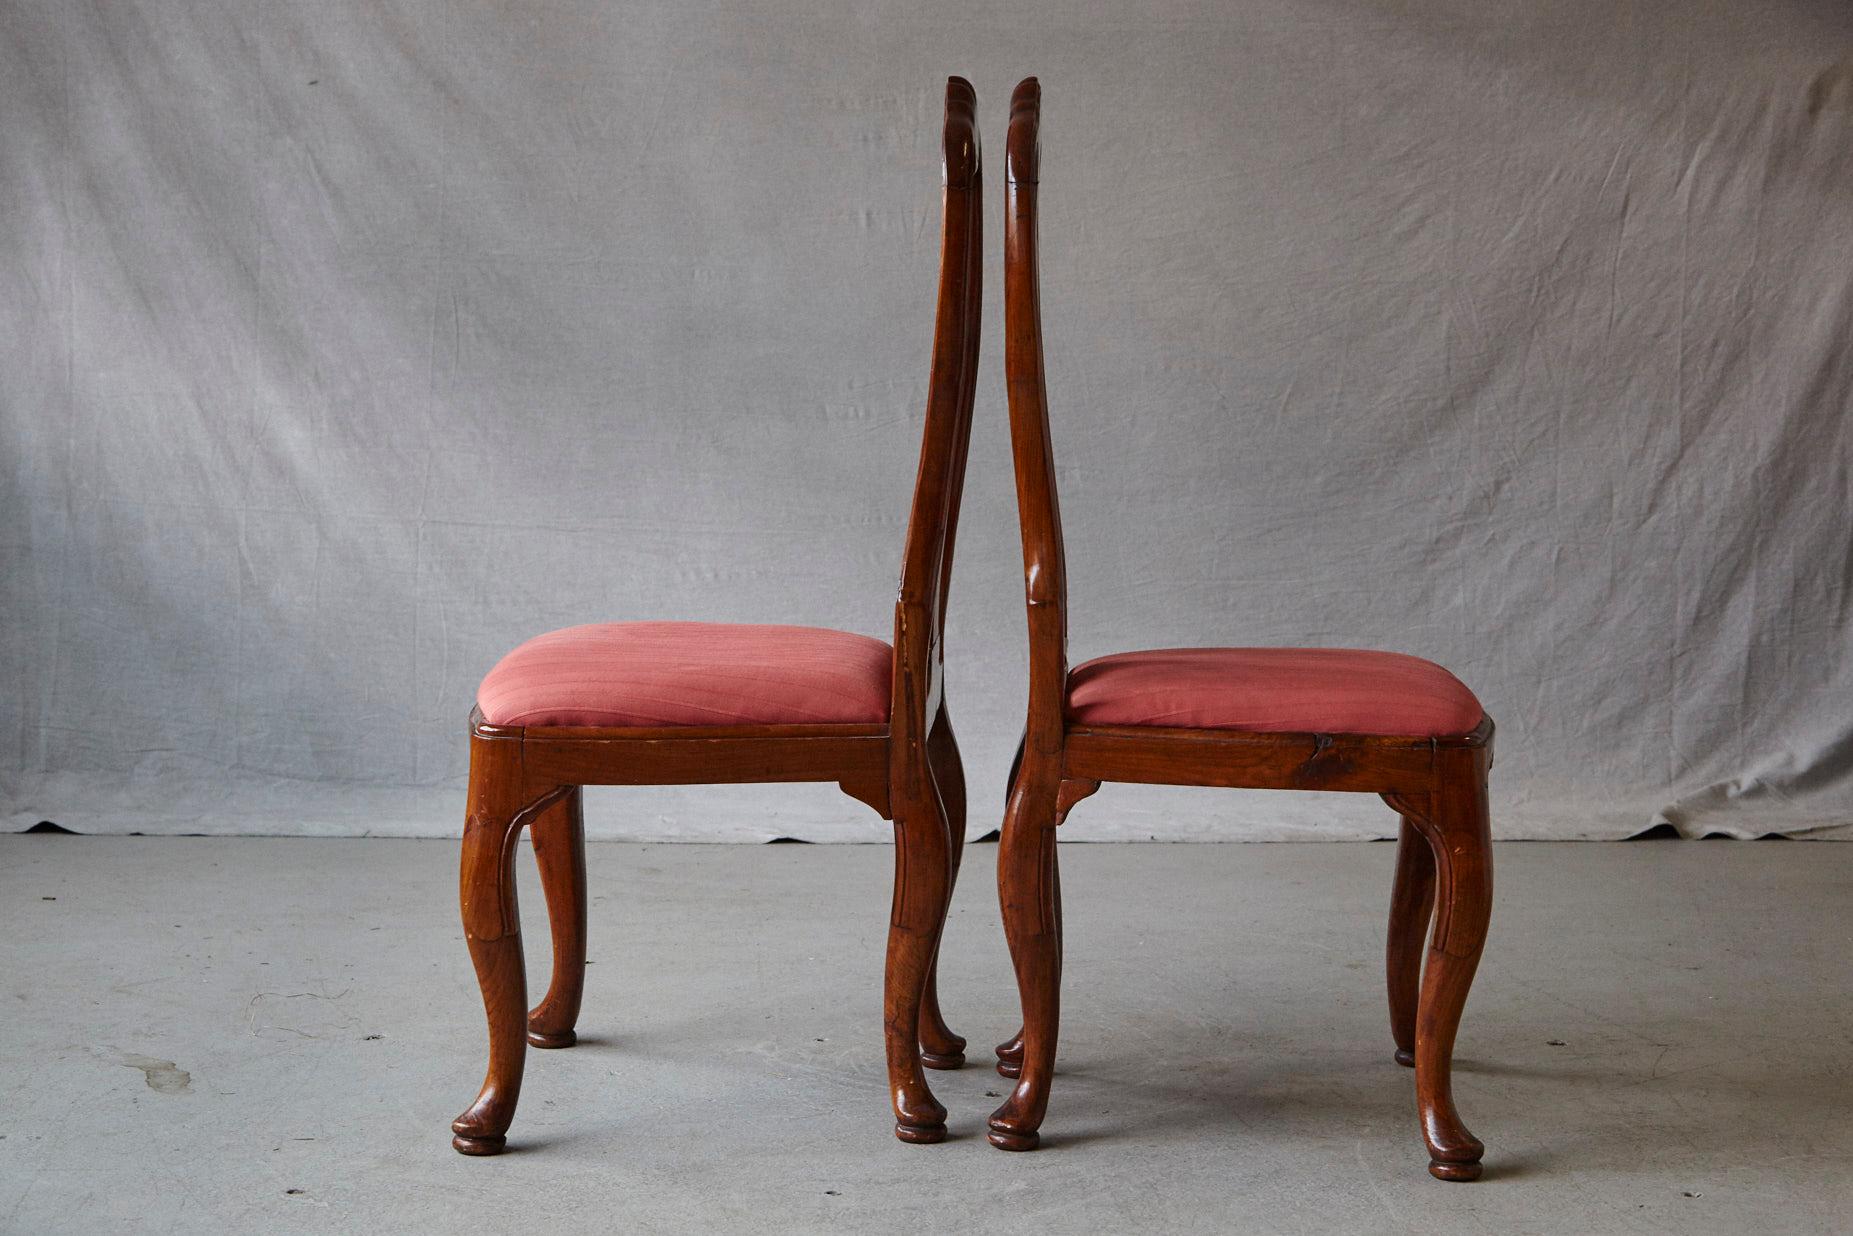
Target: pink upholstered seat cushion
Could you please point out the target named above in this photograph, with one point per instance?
(690, 673)
(1274, 690)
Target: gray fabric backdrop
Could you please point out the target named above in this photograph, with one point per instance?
(347, 343)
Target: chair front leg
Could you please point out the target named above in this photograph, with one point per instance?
(558, 834)
(922, 871)
(1455, 822)
(1412, 899)
(940, 1048)
(499, 803)
(1028, 889)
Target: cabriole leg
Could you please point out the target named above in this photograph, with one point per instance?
(940, 1048)
(1456, 826)
(492, 924)
(558, 834)
(1027, 888)
(922, 871)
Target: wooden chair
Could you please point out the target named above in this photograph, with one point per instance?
(698, 703)
(1284, 719)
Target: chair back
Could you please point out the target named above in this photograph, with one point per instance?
(926, 563)
(1045, 565)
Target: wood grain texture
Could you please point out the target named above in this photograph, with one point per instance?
(1437, 784)
(907, 769)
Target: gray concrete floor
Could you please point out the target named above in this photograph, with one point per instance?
(272, 1035)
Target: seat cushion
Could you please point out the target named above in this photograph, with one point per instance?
(689, 673)
(1274, 690)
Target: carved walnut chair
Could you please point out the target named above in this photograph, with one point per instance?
(1258, 718)
(675, 703)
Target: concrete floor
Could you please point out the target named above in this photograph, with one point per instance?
(211, 1035)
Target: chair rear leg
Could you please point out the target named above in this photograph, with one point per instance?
(1010, 1051)
(558, 834)
(940, 1048)
(922, 871)
(1458, 832)
(1027, 886)
(1010, 1055)
(1412, 899)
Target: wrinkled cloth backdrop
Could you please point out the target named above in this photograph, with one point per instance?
(347, 344)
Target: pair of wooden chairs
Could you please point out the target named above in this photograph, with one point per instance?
(690, 703)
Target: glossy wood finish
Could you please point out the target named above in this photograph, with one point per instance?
(940, 1048)
(1412, 905)
(558, 836)
(1444, 862)
(908, 769)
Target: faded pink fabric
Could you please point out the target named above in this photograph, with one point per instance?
(1274, 690)
(690, 673)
